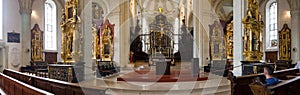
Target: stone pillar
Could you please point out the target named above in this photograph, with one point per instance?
(124, 33)
(295, 17)
(197, 28)
(25, 11)
(238, 30)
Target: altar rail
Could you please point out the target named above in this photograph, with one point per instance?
(54, 86)
(240, 85)
(12, 86)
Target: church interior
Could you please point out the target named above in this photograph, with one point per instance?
(149, 47)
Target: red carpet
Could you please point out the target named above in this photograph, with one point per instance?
(150, 76)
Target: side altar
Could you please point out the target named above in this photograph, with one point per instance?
(70, 69)
(252, 40)
(103, 49)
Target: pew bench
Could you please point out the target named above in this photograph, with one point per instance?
(56, 87)
(240, 85)
(285, 87)
(12, 86)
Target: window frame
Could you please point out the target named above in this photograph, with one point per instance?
(53, 22)
(268, 32)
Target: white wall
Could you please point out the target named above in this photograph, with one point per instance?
(11, 21)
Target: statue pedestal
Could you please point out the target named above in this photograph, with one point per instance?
(162, 66)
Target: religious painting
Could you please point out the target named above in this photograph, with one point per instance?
(70, 13)
(13, 37)
(285, 43)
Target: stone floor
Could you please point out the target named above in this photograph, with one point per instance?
(215, 85)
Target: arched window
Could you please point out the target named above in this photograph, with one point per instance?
(271, 25)
(1, 15)
(50, 25)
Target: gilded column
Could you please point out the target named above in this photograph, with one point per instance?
(295, 17)
(25, 11)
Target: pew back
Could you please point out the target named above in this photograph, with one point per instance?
(55, 86)
(12, 86)
(240, 85)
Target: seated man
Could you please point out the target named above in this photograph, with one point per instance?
(268, 72)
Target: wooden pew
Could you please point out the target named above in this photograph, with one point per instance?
(12, 86)
(240, 85)
(286, 87)
(54, 86)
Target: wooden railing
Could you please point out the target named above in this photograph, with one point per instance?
(12, 86)
(54, 86)
(240, 85)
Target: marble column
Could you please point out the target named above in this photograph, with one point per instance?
(238, 29)
(86, 49)
(25, 11)
(295, 17)
(124, 34)
(197, 28)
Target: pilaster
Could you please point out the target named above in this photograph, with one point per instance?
(25, 11)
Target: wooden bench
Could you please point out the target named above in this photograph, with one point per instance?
(240, 85)
(12, 86)
(286, 87)
(54, 86)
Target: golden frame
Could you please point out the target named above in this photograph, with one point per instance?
(285, 43)
(36, 44)
(253, 26)
(70, 35)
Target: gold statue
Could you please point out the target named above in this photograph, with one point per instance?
(160, 10)
(252, 36)
(229, 40)
(96, 40)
